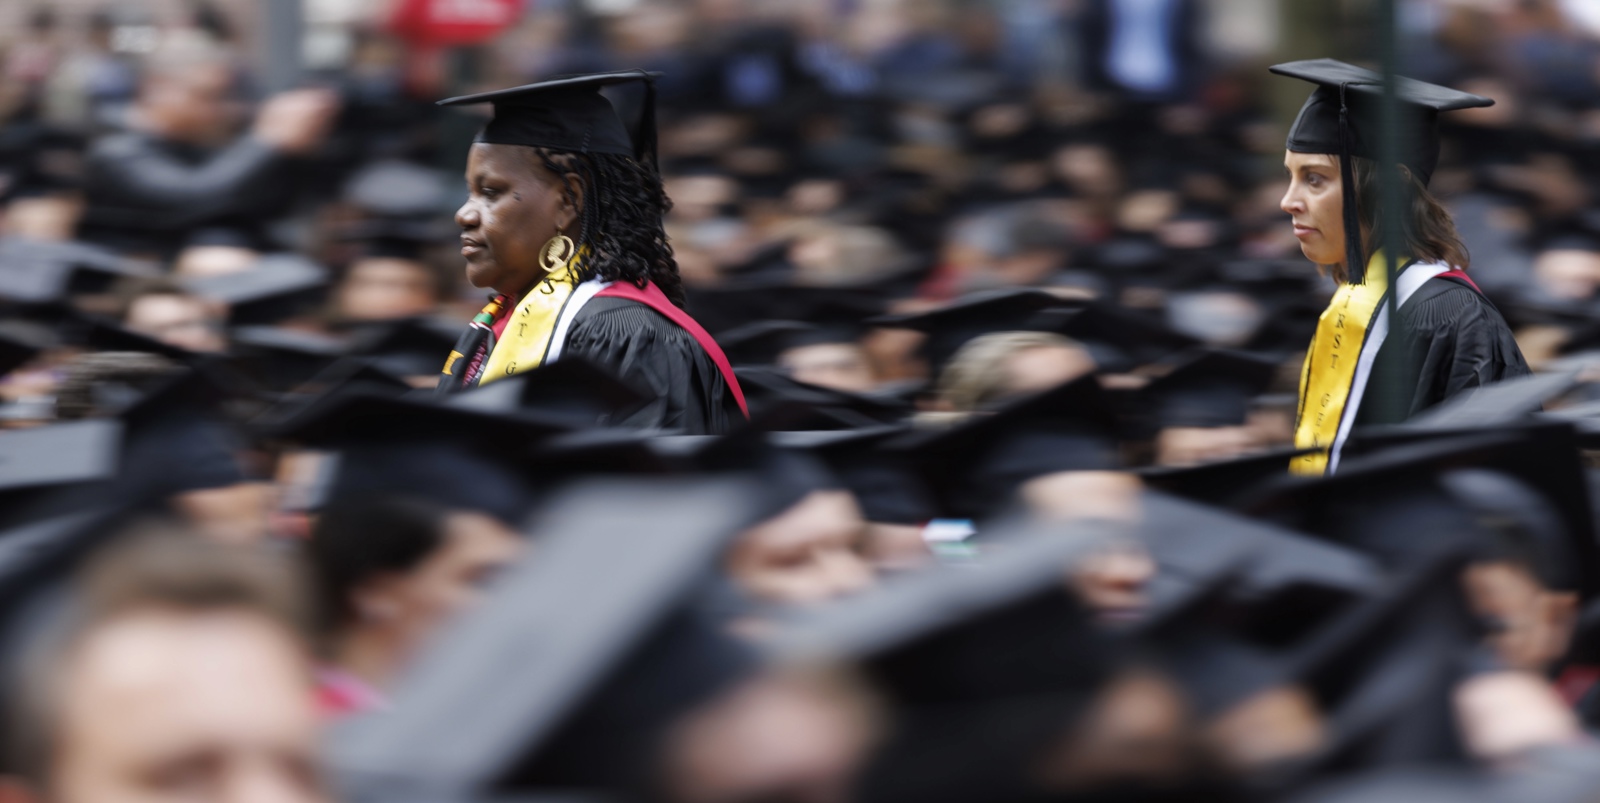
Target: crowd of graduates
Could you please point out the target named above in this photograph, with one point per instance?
(1019, 323)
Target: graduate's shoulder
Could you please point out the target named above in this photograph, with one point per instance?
(1447, 303)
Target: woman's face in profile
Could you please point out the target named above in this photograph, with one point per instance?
(514, 206)
(1314, 202)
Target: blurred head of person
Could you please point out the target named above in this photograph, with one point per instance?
(809, 553)
(827, 253)
(830, 361)
(189, 94)
(1314, 202)
(390, 571)
(1568, 268)
(997, 367)
(521, 197)
(386, 287)
(162, 310)
(178, 671)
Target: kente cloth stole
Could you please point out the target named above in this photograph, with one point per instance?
(533, 332)
(1338, 364)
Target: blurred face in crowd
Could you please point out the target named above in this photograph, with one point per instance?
(1315, 203)
(177, 320)
(514, 206)
(163, 706)
(1032, 370)
(386, 288)
(400, 611)
(780, 736)
(841, 366)
(1531, 625)
(806, 554)
(1568, 273)
(1192, 446)
(193, 105)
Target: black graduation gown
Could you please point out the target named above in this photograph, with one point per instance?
(1450, 338)
(660, 359)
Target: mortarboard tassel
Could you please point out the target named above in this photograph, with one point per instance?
(1355, 263)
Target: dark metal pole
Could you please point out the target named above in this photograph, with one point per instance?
(283, 23)
(1398, 374)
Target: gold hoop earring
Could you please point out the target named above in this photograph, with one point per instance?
(557, 250)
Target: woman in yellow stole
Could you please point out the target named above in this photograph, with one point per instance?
(563, 220)
(1361, 368)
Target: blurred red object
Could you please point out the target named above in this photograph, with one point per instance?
(436, 23)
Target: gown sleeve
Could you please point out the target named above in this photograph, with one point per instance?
(641, 347)
(1454, 340)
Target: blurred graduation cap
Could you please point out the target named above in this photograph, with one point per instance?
(392, 189)
(1517, 493)
(584, 674)
(389, 445)
(882, 480)
(975, 468)
(277, 287)
(282, 359)
(1499, 403)
(838, 309)
(1224, 482)
(763, 342)
(1385, 672)
(982, 665)
(38, 272)
(951, 326)
(37, 463)
(409, 347)
(570, 389)
(1120, 339)
(1344, 117)
(15, 352)
(770, 389)
(1213, 388)
(569, 114)
(398, 239)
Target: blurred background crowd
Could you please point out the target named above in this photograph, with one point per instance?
(1020, 319)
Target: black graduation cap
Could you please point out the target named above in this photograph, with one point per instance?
(1223, 482)
(570, 115)
(571, 389)
(769, 389)
(283, 359)
(1120, 339)
(1290, 581)
(15, 352)
(1213, 388)
(982, 665)
(58, 454)
(1385, 671)
(1495, 404)
(391, 445)
(409, 347)
(277, 287)
(763, 342)
(952, 325)
(398, 238)
(976, 467)
(882, 480)
(392, 189)
(575, 669)
(38, 272)
(1408, 496)
(1343, 116)
(839, 309)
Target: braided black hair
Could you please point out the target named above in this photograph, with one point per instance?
(621, 220)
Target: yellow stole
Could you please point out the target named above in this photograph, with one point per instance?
(1329, 373)
(526, 341)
